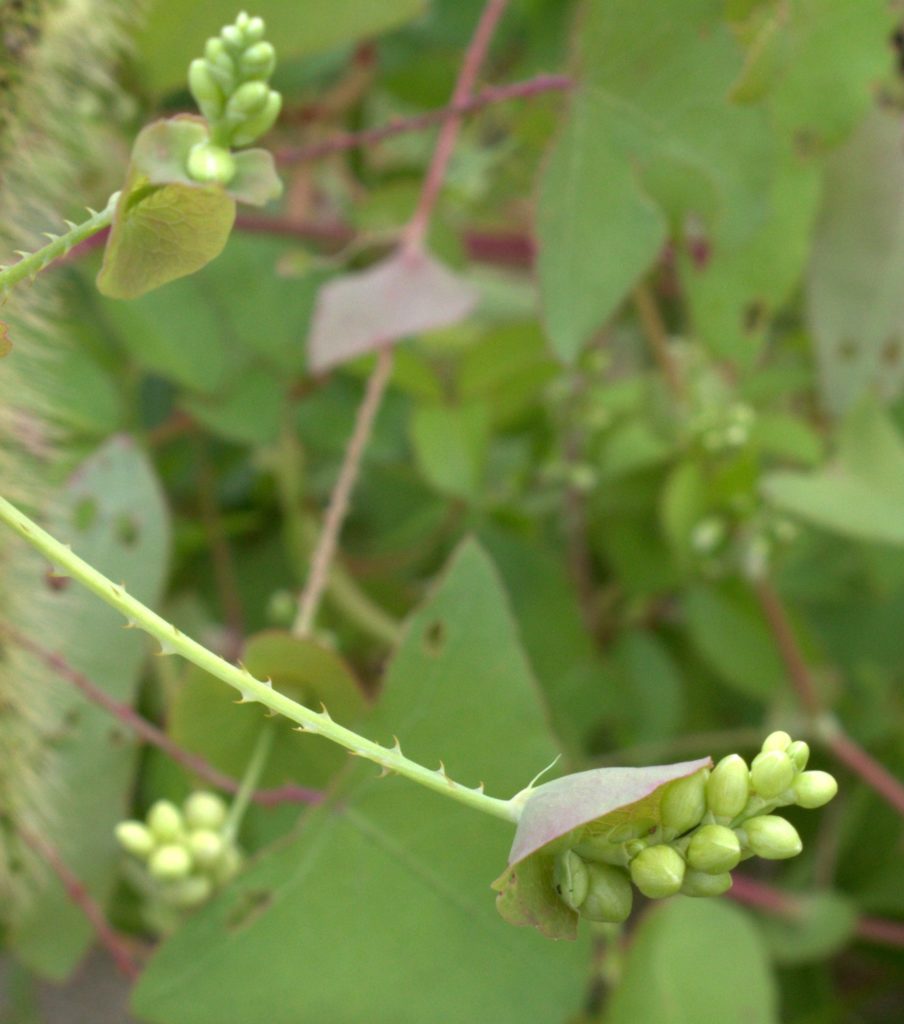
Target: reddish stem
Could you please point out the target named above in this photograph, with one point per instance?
(149, 733)
(867, 768)
(416, 229)
(78, 894)
(372, 136)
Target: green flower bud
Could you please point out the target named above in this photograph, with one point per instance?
(254, 127)
(205, 810)
(609, 896)
(599, 850)
(258, 62)
(165, 821)
(799, 752)
(206, 847)
(233, 37)
(215, 54)
(210, 164)
(228, 865)
(205, 90)
(683, 803)
(254, 30)
(135, 838)
(571, 878)
(699, 883)
(771, 837)
(771, 773)
(777, 741)
(188, 892)
(714, 849)
(169, 862)
(728, 787)
(248, 100)
(813, 789)
(658, 871)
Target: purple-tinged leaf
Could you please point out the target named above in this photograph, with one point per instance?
(559, 814)
(407, 293)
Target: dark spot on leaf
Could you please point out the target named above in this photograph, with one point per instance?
(127, 531)
(434, 638)
(118, 737)
(56, 583)
(847, 350)
(891, 352)
(754, 316)
(248, 907)
(84, 515)
(805, 142)
(72, 718)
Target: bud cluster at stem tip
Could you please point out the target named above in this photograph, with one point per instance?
(229, 84)
(185, 854)
(708, 823)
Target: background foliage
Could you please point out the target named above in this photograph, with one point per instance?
(642, 504)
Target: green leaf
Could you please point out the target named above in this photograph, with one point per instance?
(205, 718)
(112, 512)
(250, 412)
(823, 925)
(572, 808)
(174, 32)
(389, 878)
(855, 281)
(652, 686)
(450, 444)
(734, 641)
(598, 231)
(692, 961)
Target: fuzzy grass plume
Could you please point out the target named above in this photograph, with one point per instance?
(58, 110)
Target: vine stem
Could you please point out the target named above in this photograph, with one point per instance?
(412, 240)
(416, 229)
(32, 264)
(340, 498)
(825, 726)
(79, 895)
(658, 338)
(371, 136)
(253, 771)
(149, 733)
(173, 641)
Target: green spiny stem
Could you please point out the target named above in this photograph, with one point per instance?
(32, 264)
(173, 641)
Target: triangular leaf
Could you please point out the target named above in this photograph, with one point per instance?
(408, 293)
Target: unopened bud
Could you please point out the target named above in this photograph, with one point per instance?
(728, 787)
(771, 837)
(205, 89)
(799, 752)
(254, 29)
(258, 62)
(233, 37)
(228, 865)
(210, 164)
(169, 861)
(699, 883)
(777, 741)
(813, 789)
(771, 773)
(609, 895)
(683, 803)
(206, 847)
(253, 127)
(571, 879)
(248, 100)
(165, 821)
(188, 892)
(658, 871)
(135, 838)
(714, 849)
(205, 810)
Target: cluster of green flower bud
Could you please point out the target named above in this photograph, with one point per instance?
(229, 84)
(185, 854)
(708, 823)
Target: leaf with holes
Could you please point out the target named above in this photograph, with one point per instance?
(387, 859)
(112, 513)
